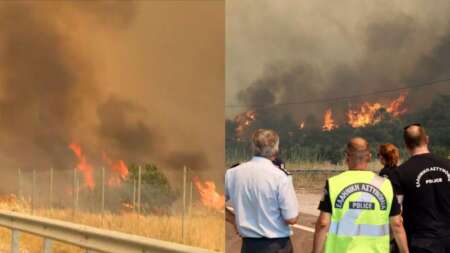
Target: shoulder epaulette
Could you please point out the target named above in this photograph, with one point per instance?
(235, 165)
(285, 171)
(280, 165)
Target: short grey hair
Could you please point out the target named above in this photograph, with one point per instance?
(358, 150)
(265, 143)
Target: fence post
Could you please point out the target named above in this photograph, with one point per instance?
(47, 245)
(134, 194)
(15, 238)
(139, 189)
(74, 186)
(33, 195)
(190, 192)
(51, 189)
(19, 178)
(184, 203)
(77, 191)
(103, 194)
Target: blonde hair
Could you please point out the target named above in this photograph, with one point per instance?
(265, 143)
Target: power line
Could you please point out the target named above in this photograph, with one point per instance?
(323, 100)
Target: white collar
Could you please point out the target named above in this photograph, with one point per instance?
(261, 159)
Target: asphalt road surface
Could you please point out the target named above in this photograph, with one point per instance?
(301, 240)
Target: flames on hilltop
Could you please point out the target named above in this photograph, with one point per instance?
(328, 121)
(370, 113)
(243, 121)
(301, 125)
(365, 115)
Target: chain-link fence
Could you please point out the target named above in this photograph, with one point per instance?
(187, 209)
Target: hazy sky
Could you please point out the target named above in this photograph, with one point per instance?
(302, 50)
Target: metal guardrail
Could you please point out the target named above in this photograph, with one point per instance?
(89, 238)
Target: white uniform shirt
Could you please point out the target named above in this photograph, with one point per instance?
(263, 197)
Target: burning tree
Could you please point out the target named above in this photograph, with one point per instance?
(324, 141)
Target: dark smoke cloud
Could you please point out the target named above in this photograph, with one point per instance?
(178, 159)
(118, 129)
(305, 56)
(39, 88)
(53, 91)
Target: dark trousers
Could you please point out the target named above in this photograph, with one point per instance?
(430, 245)
(266, 245)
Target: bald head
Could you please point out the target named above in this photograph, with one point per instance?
(357, 144)
(358, 153)
(415, 137)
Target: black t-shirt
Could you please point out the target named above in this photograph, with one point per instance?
(388, 172)
(424, 180)
(325, 204)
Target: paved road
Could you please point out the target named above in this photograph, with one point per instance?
(302, 240)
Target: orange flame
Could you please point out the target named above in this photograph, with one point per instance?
(301, 125)
(127, 207)
(119, 169)
(243, 121)
(208, 194)
(83, 166)
(328, 121)
(394, 107)
(369, 113)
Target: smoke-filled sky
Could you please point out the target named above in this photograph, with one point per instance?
(289, 51)
(141, 81)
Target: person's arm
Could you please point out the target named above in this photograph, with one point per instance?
(320, 236)
(399, 233)
(394, 177)
(292, 221)
(396, 222)
(287, 200)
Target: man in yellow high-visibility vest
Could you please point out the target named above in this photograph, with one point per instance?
(357, 208)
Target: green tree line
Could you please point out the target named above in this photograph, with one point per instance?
(313, 144)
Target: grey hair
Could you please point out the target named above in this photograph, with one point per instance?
(265, 143)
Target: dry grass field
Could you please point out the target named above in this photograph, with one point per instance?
(204, 227)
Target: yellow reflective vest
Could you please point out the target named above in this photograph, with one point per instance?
(361, 202)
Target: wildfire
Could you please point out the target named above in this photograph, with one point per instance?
(119, 170)
(394, 107)
(328, 121)
(83, 166)
(127, 207)
(301, 125)
(243, 121)
(369, 113)
(208, 194)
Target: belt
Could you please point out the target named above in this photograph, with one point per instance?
(265, 238)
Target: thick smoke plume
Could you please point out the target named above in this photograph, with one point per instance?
(305, 50)
(77, 72)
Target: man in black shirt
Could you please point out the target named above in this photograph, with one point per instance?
(423, 181)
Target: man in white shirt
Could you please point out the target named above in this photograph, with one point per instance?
(263, 198)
